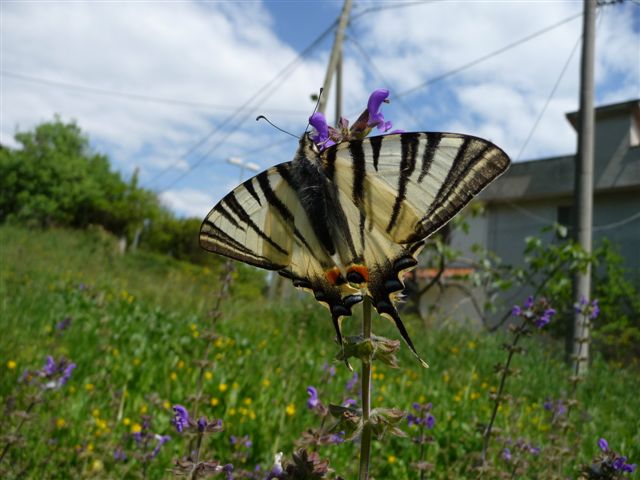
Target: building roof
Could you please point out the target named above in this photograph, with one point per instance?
(617, 161)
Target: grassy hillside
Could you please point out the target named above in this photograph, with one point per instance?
(136, 327)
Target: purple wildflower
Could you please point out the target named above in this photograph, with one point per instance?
(506, 454)
(202, 423)
(529, 303)
(595, 309)
(313, 400)
(181, 418)
(516, 311)
(603, 444)
(321, 137)
(162, 439)
(277, 470)
(228, 470)
(430, 421)
(330, 369)
(119, 455)
(352, 382)
(49, 367)
(66, 374)
(376, 119)
(63, 324)
(336, 438)
(348, 402)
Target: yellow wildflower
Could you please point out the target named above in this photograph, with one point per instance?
(181, 364)
(247, 401)
(136, 361)
(173, 376)
(392, 459)
(214, 402)
(290, 409)
(97, 465)
(266, 382)
(11, 364)
(223, 387)
(136, 428)
(88, 387)
(235, 385)
(144, 409)
(126, 421)
(474, 395)
(60, 422)
(471, 345)
(232, 412)
(95, 412)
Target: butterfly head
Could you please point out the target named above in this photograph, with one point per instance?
(307, 147)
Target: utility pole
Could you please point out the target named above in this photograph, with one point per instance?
(583, 193)
(277, 287)
(336, 54)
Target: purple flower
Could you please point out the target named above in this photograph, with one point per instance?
(516, 311)
(348, 402)
(603, 444)
(629, 468)
(228, 470)
(321, 137)
(63, 324)
(276, 470)
(49, 367)
(529, 303)
(595, 309)
(352, 382)
(119, 455)
(376, 119)
(162, 439)
(619, 463)
(181, 418)
(66, 374)
(430, 421)
(330, 369)
(313, 400)
(336, 438)
(506, 454)
(202, 423)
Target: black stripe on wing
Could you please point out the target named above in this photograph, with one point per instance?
(477, 163)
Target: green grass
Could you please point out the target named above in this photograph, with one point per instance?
(136, 334)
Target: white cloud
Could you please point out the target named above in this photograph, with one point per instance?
(188, 202)
(222, 53)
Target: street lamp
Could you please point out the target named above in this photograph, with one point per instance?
(238, 162)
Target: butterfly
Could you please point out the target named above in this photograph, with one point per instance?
(350, 220)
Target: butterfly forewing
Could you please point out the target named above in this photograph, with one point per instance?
(414, 183)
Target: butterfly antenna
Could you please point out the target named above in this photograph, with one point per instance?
(315, 109)
(262, 117)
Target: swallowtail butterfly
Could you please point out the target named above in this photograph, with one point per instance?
(350, 220)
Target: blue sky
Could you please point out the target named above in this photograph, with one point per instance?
(192, 65)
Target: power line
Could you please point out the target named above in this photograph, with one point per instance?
(487, 56)
(128, 95)
(272, 84)
(548, 101)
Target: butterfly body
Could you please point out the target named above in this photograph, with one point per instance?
(347, 222)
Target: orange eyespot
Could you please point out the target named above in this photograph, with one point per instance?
(358, 274)
(333, 275)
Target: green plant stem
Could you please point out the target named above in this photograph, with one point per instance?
(196, 460)
(422, 449)
(365, 440)
(17, 430)
(503, 379)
